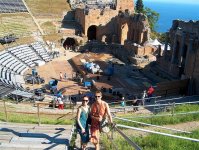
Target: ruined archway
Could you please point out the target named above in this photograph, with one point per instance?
(124, 33)
(69, 43)
(92, 32)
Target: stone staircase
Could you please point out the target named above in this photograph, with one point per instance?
(33, 137)
(90, 146)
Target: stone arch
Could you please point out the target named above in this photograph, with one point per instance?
(92, 32)
(69, 43)
(124, 33)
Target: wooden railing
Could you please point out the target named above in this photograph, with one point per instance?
(38, 112)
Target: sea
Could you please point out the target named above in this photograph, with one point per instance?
(171, 11)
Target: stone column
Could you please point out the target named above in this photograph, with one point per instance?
(135, 36)
(165, 50)
(181, 49)
(174, 50)
(189, 59)
(166, 47)
(141, 37)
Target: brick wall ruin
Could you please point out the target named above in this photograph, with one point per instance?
(116, 23)
(119, 22)
(182, 60)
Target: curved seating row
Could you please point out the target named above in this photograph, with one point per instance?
(16, 60)
(12, 6)
(42, 52)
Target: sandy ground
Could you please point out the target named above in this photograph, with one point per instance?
(52, 69)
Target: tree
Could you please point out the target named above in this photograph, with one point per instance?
(139, 6)
(152, 17)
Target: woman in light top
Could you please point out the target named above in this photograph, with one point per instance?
(82, 124)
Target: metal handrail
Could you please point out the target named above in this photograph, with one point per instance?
(170, 99)
(194, 102)
(176, 114)
(160, 133)
(118, 102)
(147, 124)
(133, 144)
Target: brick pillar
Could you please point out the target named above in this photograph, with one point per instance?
(166, 47)
(141, 38)
(174, 50)
(181, 49)
(189, 59)
(165, 50)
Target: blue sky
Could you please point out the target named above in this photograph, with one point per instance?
(175, 1)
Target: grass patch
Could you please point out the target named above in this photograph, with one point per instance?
(48, 27)
(162, 120)
(21, 24)
(154, 142)
(187, 108)
(48, 7)
(2, 116)
(33, 119)
(159, 142)
(73, 139)
(53, 38)
(16, 28)
(165, 120)
(119, 142)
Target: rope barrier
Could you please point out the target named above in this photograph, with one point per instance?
(147, 124)
(160, 133)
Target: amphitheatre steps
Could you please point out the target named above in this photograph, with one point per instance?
(28, 136)
(9, 146)
(90, 146)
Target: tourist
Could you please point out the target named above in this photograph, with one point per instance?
(123, 104)
(60, 76)
(60, 103)
(54, 101)
(99, 110)
(65, 76)
(82, 124)
(150, 93)
(135, 104)
(143, 97)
